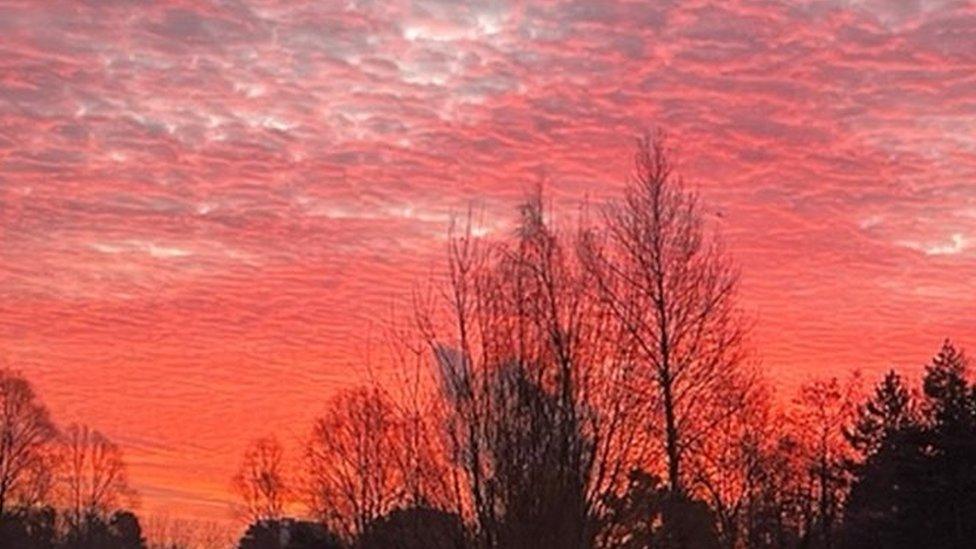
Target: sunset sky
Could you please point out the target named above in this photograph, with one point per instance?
(209, 209)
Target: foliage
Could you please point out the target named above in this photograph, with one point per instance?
(287, 534)
(414, 528)
(915, 483)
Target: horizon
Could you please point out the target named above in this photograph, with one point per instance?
(209, 211)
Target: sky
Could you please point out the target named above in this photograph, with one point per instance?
(209, 209)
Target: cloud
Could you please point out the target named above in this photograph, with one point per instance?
(154, 250)
(957, 243)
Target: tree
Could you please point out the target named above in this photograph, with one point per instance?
(776, 512)
(538, 404)
(889, 411)
(287, 534)
(949, 396)
(650, 515)
(92, 477)
(519, 471)
(741, 472)
(165, 532)
(886, 505)
(25, 431)
(417, 527)
(913, 483)
(127, 531)
(352, 476)
(671, 289)
(260, 481)
(524, 450)
(29, 528)
(822, 409)
(950, 403)
(120, 531)
(635, 514)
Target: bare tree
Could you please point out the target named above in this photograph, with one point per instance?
(730, 469)
(260, 481)
(536, 389)
(821, 412)
(672, 290)
(92, 476)
(25, 431)
(40, 482)
(352, 475)
(166, 532)
(753, 471)
(421, 459)
(772, 509)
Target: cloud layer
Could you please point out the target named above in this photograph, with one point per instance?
(204, 206)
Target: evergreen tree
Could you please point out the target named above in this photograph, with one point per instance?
(890, 410)
(883, 508)
(915, 483)
(951, 441)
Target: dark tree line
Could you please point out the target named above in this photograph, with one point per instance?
(586, 384)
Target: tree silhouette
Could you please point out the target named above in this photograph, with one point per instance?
(92, 478)
(524, 449)
(416, 527)
(260, 481)
(885, 508)
(951, 406)
(287, 534)
(25, 431)
(890, 410)
(672, 290)
(120, 531)
(649, 515)
(539, 404)
(776, 513)
(29, 528)
(741, 472)
(821, 410)
(352, 475)
(914, 484)
(127, 530)
(166, 532)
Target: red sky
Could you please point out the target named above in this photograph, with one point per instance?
(205, 206)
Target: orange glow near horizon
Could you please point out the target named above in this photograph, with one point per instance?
(208, 211)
